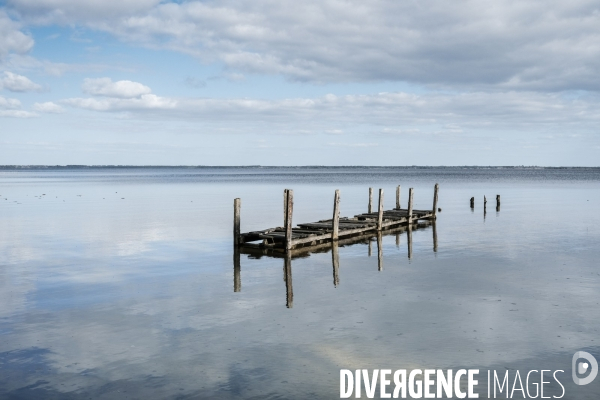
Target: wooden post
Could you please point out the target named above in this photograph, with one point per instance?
(288, 219)
(398, 197)
(287, 277)
(472, 202)
(497, 202)
(484, 206)
(284, 205)
(380, 212)
(237, 280)
(370, 210)
(336, 216)
(335, 260)
(411, 192)
(436, 189)
(236, 221)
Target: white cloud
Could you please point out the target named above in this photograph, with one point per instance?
(18, 83)
(144, 102)
(11, 38)
(121, 89)
(17, 114)
(388, 113)
(48, 107)
(345, 144)
(526, 45)
(68, 11)
(9, 103)
(11, 108)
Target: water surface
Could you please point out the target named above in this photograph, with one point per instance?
(119, 282)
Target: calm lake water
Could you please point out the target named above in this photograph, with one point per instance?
(119, 283)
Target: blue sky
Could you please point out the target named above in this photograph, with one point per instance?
(300, 83)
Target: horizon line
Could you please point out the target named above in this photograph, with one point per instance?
(32, 166)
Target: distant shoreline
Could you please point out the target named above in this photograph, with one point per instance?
(61, 167)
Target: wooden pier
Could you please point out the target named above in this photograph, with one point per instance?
(257, 252)
(287, 238)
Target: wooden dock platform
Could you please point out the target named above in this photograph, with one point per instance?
(286, 238)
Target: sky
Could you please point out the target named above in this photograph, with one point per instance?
(313, 82)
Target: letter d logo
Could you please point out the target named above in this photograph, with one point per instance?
(582, 367)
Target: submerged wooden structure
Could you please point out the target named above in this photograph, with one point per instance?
(287, 238)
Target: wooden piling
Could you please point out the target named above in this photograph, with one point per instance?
(398, 197)
(284, 205)
(370, 209)
(236, 221)
(410, 204)
(436, 188)
(336, 216)
(497, 200)
(288, 218)
(472, 202)
(380, 211)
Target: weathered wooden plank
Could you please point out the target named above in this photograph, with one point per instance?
(318, 225)
(329, 227)
(312, 239)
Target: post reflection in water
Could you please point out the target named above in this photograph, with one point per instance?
(409, 240)
(379, 252)
(335, 260)
(287, 276)
(237, 280)
(257, 253)
(434, 229)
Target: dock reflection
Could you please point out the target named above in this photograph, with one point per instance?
(288, 256)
